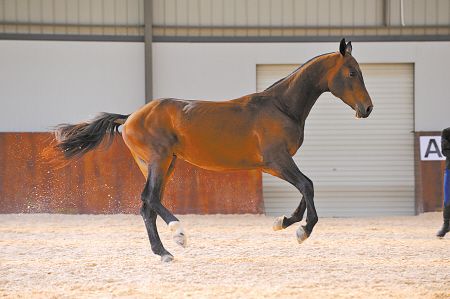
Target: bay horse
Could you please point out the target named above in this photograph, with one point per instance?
(261, 131)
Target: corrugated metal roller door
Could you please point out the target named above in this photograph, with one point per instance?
(359, 167)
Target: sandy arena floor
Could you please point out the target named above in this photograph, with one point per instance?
(66, 256)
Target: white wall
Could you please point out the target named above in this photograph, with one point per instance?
(218, 71)
(44, 83)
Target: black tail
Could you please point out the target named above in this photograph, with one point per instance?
(76, 140)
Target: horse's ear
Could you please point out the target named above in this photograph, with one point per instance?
(348, 48)
(342, 47)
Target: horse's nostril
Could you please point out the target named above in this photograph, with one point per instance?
(369, 109)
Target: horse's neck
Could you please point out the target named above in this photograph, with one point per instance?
(298, 93)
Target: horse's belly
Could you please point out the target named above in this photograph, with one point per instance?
(221, 164)
(214, 154)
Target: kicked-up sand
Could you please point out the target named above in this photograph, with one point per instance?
(228, 256)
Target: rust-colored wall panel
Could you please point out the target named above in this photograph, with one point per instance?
(432, 185)
(110, 182)
(429, 179)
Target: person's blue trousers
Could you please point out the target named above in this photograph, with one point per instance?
(447, 188)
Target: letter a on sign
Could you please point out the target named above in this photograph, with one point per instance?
(430, 148)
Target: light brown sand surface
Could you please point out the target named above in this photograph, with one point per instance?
(68, 256)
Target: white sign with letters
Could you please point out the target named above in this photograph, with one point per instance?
(430, 148)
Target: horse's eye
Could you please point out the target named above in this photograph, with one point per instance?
(352, 73)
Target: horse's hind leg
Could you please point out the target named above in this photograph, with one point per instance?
(149, 217)
(151, 190)
(174, 224)
(178, 233)
(158, 171)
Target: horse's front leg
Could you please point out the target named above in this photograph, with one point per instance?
(284, 167)
(283, 222)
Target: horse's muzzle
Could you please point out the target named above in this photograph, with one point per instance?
(363, 112)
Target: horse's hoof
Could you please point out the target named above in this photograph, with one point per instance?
(301, 235)
(180, 239)
(278, 223)
(178, 233)
(166, 258)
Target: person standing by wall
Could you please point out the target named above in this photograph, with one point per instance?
(446, 151)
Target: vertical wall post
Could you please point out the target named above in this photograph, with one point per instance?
(386, 12)
(148, 36)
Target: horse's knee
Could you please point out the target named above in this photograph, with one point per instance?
(307, 189)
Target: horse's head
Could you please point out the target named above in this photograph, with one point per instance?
(345, 81)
